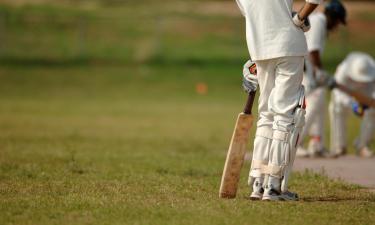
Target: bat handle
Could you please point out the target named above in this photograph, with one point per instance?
(249, 103)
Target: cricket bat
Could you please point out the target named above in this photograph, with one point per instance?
(236, 151)
(361, 98)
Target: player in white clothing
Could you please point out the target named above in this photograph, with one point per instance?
(277, 45)
(315, 75)
(358, 72)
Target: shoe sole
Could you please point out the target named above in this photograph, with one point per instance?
(278, 198)
(255, 197)
(271, 198)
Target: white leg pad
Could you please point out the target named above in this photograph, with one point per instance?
(367, 128)
(338, 113)
(262, 143)
(286, 141)
(275, 170)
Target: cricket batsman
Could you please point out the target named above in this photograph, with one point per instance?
(357, 71)
(315, 76)
(277, 45)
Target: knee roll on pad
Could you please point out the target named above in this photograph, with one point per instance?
(258, 169)
(265, 132)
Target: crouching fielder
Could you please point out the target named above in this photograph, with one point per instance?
(277, 44)
(357, 71)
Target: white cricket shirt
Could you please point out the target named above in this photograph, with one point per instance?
(316, 37)
(270, 31)
(343, 74)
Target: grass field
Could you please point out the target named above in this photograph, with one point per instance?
(101, 123)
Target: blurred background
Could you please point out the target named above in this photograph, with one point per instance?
(139, 55)
(59, 32)
(143, 92)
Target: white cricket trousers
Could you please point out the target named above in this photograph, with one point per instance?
(315, 113)
(280, 87)
(339, 108)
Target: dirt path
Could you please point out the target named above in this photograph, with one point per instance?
(349, 168)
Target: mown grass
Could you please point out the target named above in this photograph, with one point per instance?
(111, 134)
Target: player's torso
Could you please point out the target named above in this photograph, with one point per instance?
(270, 32)
(343, 76)
(316, 37)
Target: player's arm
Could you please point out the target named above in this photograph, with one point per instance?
(315, 59)
(358, 95)
(362, 98)
(300, 19)
(320, 74)
(308, 8)
(315, 41)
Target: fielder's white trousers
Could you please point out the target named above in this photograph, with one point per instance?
(280, 86)
(339, 108)
(315, 113)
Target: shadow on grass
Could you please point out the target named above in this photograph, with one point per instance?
(330, 199)
(322, 199)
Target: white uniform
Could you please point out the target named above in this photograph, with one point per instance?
(341, 104)
(278, 48)
(270, 32)
(315, 100)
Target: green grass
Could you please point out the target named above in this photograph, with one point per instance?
(116, 136)
(90, 145)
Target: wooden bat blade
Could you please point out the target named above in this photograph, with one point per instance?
(235, 156)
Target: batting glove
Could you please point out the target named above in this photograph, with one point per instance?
(359, 109)
(331, 83)
(250, 79)
(303, 24)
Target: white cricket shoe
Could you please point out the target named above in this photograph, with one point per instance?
(316, 149)
(338, 152)
(365, 152)
(271, 194)
(258, 191)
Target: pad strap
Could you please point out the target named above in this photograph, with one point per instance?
(265, 132)
(280, 136)
(274, 170)
(265, 168)
(259, 165)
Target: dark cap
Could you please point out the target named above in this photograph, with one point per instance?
(337, 10)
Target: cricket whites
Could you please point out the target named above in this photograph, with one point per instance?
(361, 98)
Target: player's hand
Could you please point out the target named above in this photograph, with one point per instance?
(250, 79)
(303, 24)
(321, 77)
(331, 83)
(359, 109)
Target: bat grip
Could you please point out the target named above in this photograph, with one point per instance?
(249, 102)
